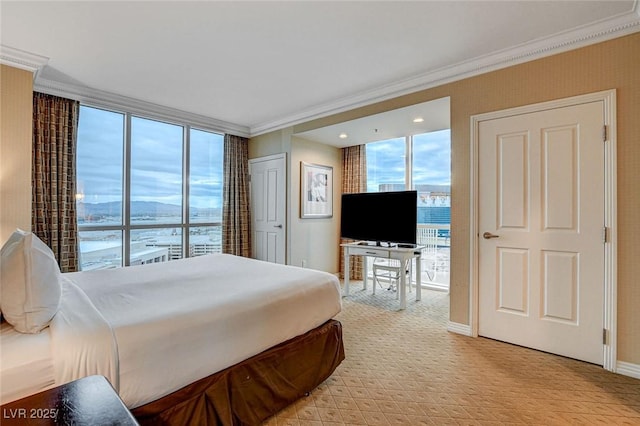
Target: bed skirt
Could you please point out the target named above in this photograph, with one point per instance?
(253, 390)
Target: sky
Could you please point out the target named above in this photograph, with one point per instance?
(156, 160)
(431, 160)
(99, 155)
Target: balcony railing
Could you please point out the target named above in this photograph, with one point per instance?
(435, 256)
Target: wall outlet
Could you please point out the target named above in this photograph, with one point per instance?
(304, 263)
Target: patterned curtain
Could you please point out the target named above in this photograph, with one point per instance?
(354, 180)
(53, 220)
(236, 219)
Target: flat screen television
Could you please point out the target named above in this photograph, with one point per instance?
(380, 217)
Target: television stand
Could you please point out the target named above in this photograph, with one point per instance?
(401, 252)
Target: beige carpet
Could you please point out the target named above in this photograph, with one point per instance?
(404, 368)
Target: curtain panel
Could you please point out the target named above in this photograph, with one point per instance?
(53, 219)
(236, 218)
(354, 180)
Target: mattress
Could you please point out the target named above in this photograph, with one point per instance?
(176, 322)
(153, 329)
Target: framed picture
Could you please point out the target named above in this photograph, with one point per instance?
(316, 191)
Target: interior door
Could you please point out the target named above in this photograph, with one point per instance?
(541, 223)
(268, 204)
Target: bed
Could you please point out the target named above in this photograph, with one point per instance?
(216, 339)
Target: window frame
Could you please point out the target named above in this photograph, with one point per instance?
(126, 227)
(408, 157)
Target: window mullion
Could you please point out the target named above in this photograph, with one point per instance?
(126, 193)
(408, 169)
(186, 149)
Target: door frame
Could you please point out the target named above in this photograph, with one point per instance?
(280, 156)
(608, 97)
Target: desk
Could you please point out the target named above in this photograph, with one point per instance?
(401, 252)
(88, 401)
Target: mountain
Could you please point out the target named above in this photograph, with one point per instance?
(139, 209)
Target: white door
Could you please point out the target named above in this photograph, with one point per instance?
(268, 204)
(541, 210)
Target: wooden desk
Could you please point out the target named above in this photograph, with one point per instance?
(89, 401)
(401, 252)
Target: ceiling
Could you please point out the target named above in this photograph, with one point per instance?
(388, 125)
(260, 66)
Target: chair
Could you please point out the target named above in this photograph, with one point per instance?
(390, 270)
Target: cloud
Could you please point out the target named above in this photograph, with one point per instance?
(431, 160)
(99, 155)
(156, 160)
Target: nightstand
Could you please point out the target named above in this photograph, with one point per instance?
(88, 401)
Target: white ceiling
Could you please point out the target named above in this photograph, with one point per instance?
(264, 65)
(388, 125)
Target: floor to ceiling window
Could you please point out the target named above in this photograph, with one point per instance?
(386, 165)
(147, 191)
(421, 162)
(431, 177)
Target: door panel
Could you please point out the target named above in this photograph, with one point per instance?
(513, 181)
(513, 281)
(541, 193)
(560, 159)
(560, 286)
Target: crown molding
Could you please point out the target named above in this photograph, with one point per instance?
(617, 26)
(607, 29)
(102, 99)
(20, 59)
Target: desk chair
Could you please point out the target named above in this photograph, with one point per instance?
(390, 270)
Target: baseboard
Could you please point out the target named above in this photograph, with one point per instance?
(628, 369)
(428, 286)
(458, 328)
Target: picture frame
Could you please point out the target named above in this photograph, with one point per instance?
(316, 191)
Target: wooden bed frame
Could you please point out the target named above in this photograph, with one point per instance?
(253, 390)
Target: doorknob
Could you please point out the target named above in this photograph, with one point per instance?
(489, 235)
(277, 226)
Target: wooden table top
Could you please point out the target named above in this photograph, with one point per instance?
(88, 401)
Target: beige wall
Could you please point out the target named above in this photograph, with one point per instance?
(311, 240)
(613, 64)
(16, 106)
(270, 143)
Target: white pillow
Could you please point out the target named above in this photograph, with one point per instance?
(30, 288)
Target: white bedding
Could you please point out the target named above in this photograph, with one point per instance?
(78, 343)
(162, 326)
(26, 364)
(82, 342)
